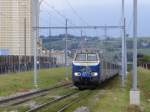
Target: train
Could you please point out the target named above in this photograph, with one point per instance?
(90, 69)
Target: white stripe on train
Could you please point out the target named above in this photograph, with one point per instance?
(86, 63)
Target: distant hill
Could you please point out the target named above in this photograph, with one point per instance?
(112, 46)
(58, 42)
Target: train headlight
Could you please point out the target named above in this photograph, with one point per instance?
(77, 74)
(94, 74)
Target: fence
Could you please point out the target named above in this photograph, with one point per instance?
(23, 63)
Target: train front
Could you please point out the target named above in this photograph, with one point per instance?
(86, 70)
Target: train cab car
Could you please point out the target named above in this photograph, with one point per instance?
(86, 69)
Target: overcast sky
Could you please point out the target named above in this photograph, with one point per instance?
(95, 12)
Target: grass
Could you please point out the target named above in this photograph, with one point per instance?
(23, 82)
(108, 98)
(40, 100)
(144, 85)
(112, 98)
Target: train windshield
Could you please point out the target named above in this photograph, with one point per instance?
(80, 57)
(91, 57)
(86, 57)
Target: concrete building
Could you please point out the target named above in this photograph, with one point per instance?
(60, 57)
(17, 17)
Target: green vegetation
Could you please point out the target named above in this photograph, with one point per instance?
(23, 82)
(2, 58)
(23, 107)
(112, 98)
(111, 44)
(145, 51)
(144, 85)
(108, 98)
(146, 59)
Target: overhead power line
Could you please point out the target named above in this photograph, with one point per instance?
(59, 13)
(50, 14)
(75, 13)
(82, 27)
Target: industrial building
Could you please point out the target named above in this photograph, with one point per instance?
(16, 27)
(17, 19)
(60, 57)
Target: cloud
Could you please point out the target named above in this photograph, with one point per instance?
(62, 4)
(101, 12)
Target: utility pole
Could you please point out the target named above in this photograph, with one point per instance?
(125, 50)
(25, 44)
(35, 43)
(19, 58)
(105, 32)
(66, 49)
(36, 36)
(81, 42)
(135, 47)
(134, 93)
(81, 33)
(104, 41)
(50, 56)
(50, 32)
(123, 46)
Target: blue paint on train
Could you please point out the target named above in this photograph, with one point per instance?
(89, 69)
(86, 70)
(88, 74)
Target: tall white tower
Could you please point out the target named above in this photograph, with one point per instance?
(16, 27)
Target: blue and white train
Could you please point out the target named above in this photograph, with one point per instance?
(89, 69)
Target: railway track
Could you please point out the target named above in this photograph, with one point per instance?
(51, 102)
(29, 96)
(69, 104)
(66, 105)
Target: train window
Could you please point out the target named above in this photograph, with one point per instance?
(80, 57)
(91, 57)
